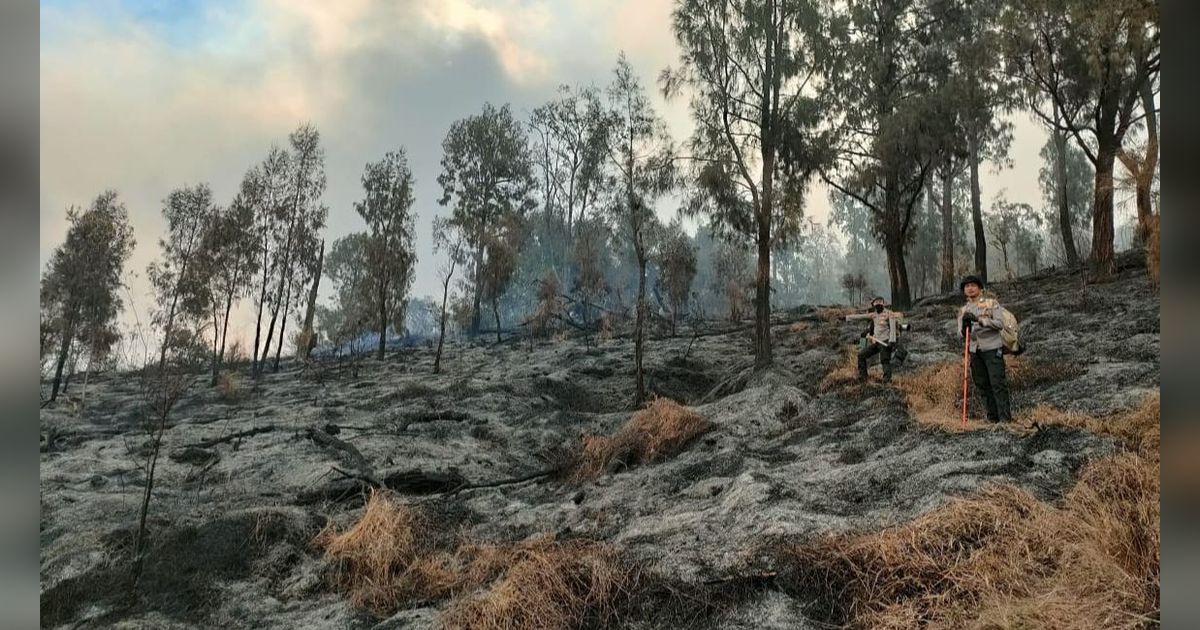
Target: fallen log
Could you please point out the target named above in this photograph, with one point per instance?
(209, 443)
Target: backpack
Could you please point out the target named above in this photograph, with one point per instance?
(1010, 333)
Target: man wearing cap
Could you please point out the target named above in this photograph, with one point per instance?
(880, 340)
(981, 316)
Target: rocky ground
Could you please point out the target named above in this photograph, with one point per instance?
(246, 483)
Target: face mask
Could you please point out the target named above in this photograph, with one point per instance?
(878, 308)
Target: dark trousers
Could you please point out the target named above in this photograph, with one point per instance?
(885, 359)
(987, 371)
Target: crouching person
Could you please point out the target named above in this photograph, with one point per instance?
(981, 316)
(880, 340)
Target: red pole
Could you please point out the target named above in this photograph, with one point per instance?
(966, 348)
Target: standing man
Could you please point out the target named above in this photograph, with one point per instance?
(982, 316)
(880, 340)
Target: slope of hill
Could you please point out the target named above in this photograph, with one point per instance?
(256, 485)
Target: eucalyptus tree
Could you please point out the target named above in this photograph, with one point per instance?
(79, 290)
(229, 251)
(641, 153)
(1085, 65)
(486, 176)
(1066, 179)
(299, 220)
(884, 110)
(387, 209)
(753, 70)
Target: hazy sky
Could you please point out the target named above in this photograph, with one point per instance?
(144, 96)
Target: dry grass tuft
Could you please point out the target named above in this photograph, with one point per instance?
(229, 387)
(1001, 559)
(1139, 429)
(660, 430)
(548, 585)
(388, 559)
(799, 327)
(934, 398)
(834, 313)
(378, 557)
(844, 375)
(934, 395)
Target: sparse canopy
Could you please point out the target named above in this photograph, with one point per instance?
(80, 296)
(387, 209)
(1085, 66)
(486, 177)
(642, 155)
(751, 67)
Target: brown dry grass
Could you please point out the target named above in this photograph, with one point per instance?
(1001, 559)
(844, 375)
(834, 313)
(389, 559)
(548, 585)
(229, 387)
(660, 430)
(799, 327)
(934, 398)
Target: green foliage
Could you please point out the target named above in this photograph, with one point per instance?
(487, 177)
(387, 209)
(79, 292)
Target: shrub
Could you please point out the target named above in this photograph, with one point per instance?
(660, 430)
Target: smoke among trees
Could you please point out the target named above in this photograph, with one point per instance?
(584, 216)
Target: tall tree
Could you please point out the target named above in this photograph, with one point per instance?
(229, 251)
(501, 246)
(1066, 180)
(387, 209)
(352, 311)
(450, 239)
(265, 190)
(1011, 226)
(568, 138)
(590, 255)
(486, 175)
(677, 268)
(300, 218)
(1142, 162)
(1085, 64)
(181, 278)
(641, 153)
(307, 334)
(79, 289)
(885, 117)
(750, 66)
(977, 88)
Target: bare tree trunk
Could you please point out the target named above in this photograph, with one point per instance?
(1142, 168)
(437, 359)
(382, 320)
(638, 343)
(477, 314)
(220, 358)
(1102, 259)
(287, 302)
(496, 312)
(1064, 204)
(977, 211)
(947, 228)
(310, 337)
(66, 333)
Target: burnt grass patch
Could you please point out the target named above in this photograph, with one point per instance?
(183, 565)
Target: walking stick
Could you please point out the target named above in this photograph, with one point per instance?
(966, 347)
